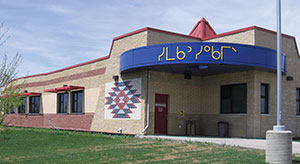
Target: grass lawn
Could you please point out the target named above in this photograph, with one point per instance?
(28, 145)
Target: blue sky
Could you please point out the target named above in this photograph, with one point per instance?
(53, 34)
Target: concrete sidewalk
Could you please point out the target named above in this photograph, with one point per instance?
(241, 142)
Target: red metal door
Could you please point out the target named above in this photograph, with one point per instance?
(161, 114)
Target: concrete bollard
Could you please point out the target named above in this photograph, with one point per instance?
(279, 147)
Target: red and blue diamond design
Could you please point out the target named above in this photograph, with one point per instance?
(122, 100)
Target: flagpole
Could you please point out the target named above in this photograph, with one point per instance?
(279, 126)
(279, 141)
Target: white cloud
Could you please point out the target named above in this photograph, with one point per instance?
(58, 9)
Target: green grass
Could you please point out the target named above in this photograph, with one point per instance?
(28, 145)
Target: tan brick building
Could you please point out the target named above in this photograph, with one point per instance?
(155, 81)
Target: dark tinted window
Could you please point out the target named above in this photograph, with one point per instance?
(234, 98)
(77, 102)
(62, 102)
(22, 108)
(264, 99)
(34, 104)
(297, 101)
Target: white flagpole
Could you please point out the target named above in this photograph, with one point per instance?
(279, 126)
(279, 141)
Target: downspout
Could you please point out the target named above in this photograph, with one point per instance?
(148, 101)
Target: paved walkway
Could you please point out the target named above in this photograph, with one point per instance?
(242, 142)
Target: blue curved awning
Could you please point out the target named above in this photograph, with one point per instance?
(201, 58)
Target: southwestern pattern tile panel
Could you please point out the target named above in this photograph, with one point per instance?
(122, 100)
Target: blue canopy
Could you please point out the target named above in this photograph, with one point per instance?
(200, 58)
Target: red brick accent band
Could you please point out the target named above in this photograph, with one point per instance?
(95, 72)
(60, 121)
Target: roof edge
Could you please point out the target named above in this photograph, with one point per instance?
(157, 30)
(153, 29)
(108, 56)
(251, 28)
(66, 68)
(246, 29)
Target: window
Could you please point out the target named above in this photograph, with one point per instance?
(22, 108)
(62, 102)
(11, 111)
(264, 99)
(234, 98)
(34, 104)
(297, 101)
(77, 102)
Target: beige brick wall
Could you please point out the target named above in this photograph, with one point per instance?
(91, 93)
(290, 120)
(199, 98)
(245, 37)
(113, 68)
(91, 99)
(210, 102)
(49, 103)
(94, 86)
(183, 95)
(155, 37)
(252, 124)
(265, 122)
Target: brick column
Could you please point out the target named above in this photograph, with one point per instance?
(253, 107)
